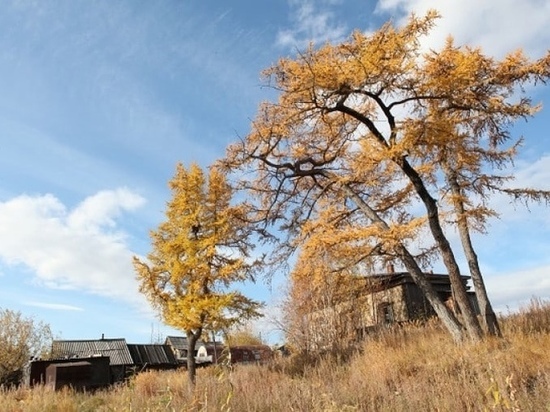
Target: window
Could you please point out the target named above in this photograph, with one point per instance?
(385, 313)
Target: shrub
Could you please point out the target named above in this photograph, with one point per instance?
(21, 338)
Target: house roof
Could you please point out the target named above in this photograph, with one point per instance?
(153, 355)
(180, 342)
(177, 342)
(381, 281)
(115, 349)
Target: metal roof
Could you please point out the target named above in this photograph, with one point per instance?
(154, 355)
(115, 349)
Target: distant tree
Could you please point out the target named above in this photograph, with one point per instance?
(323, 308)
(243, 335)
(197, 255)
(398, 143)
(21, 338)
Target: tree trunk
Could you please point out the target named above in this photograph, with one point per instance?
(488, 316)
(459, 289)
(192, 338)
(442, 311)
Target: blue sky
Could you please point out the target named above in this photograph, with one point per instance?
(100, 100)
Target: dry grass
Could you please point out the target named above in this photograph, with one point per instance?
(412, 368)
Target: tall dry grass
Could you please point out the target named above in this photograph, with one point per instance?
(411, 368)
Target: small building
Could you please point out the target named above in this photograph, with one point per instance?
(82, 374)
(216, 350)
(180, 348)
(250, 354)
(120, 359)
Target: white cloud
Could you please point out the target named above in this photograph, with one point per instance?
(54, 306)
(509, 291)
(313, 22)
(79, 249)
(498, 27)
(536, 174)
(100, 210)
(533, 175)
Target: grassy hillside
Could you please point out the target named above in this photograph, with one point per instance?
(412, 368)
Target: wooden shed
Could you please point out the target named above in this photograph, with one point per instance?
(250, 354)
(81, 374)
(120, 359)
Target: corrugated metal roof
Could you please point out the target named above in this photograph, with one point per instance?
(154, 355)
(116, 349)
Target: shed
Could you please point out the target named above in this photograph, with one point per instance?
(81, 374)
(120, 359)
(250, 354)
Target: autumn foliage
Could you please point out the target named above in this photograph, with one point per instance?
(378, 144)
(198, 253)
(21, 339)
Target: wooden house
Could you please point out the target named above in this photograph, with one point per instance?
(395, 297)
(386, 299)
(180, 349)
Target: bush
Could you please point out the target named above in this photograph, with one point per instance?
(21, 339)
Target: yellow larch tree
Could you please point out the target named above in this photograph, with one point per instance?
(198, 253)
(402, 137)
(466, 134)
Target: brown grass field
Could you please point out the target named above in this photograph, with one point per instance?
(410, 368)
